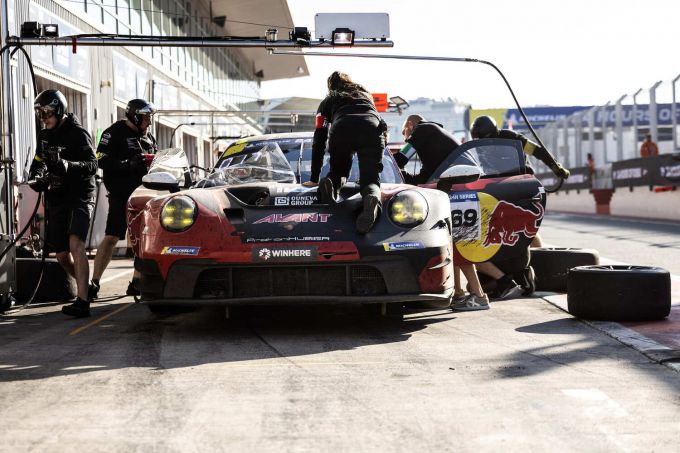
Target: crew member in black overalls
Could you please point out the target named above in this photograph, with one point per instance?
(432, 143)
(355, 127)
(64, 167)
(485, 127)
(121, 155)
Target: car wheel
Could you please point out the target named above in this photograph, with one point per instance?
(390, 311)
(165, 309)
(551, 265)
(619, 293)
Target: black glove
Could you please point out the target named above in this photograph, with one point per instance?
(39, 183)
(401, 159)
(136, 163)
(559, 170)
(58, 167)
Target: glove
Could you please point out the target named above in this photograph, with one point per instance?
(39, 184)
(136, 163)
(58, 168)
(560, 171)
(401, 159)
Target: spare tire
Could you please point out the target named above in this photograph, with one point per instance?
(56, 284)
(619, 293)
(551, 265)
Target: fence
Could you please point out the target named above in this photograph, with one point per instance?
(613, 132)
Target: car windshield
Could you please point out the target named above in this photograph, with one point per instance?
(264, 162)
(493, 157)
(298, 153)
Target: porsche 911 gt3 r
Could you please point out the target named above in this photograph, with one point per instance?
(251, 233)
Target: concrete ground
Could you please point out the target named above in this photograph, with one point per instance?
(523, 375)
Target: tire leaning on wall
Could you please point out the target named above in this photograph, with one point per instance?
(619, 293)
(551, 265)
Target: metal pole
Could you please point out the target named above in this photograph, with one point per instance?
(653, 123)
(635, 125)
(178, 41)
(6, 106)
(605, 117)
(618, 109)
(674, 112)
(567, 152)
(591, 133)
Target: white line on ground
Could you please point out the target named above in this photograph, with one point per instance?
(115, 276)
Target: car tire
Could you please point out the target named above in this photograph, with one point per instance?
(619, 293)
(167, 309)
(551, 265)
(393, 311)
(56, 284)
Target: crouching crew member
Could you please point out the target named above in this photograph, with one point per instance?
(121, 155)
(485, 127)
(64, 167)
(355, 126)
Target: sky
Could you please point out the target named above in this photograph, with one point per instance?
(558, 53)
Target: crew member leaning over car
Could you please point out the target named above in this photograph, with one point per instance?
(355, 126)
(432, 143)
(121, 155)
(485, 127)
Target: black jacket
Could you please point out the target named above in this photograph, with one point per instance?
(330, 110)
(78, 183)
(433, 144)
(117, 148)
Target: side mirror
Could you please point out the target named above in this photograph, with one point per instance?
(161, 180)
(458, 174)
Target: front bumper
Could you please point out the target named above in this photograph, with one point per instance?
(383, 279)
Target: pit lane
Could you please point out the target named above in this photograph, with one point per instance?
(523, 375)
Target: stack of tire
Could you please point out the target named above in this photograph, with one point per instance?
(602, 292)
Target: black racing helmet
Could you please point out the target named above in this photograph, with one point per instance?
(484, 127)
(136, 108)
(50, 102)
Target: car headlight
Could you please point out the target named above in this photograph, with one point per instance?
(178, 213)
(408, 208)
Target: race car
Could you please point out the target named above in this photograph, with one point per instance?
(250, 233)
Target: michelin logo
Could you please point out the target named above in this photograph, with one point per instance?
(396, 246)
(192, 251)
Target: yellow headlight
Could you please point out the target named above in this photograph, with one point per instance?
(408, 208)
(178, 213)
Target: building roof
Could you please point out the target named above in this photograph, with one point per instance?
(260, 15)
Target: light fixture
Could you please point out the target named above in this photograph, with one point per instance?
(343, 37)
(259, 74)
(301, 35)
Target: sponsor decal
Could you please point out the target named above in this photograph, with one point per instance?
(307, 217)
(507, 221)
(274, 254)
(630, 173)
(289, 239)
(670, 171)
(172, 250)
(396, 246)
(295, 200)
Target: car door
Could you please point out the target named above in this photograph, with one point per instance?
(498, 215)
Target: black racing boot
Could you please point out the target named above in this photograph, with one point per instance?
(79, 309)
(326, 193)
(369, 215)
(132, 288)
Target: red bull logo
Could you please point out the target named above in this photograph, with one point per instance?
(507, 221)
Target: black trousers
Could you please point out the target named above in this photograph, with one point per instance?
(360, 134)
